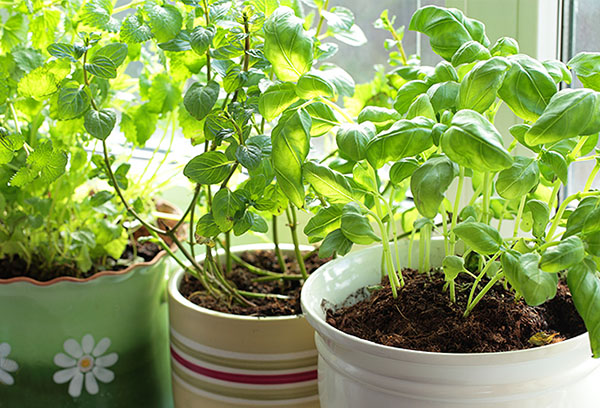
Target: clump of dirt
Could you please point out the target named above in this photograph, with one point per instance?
(423, 318)
(245, 280)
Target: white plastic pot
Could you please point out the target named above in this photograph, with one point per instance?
(221, 360)
(359, 373)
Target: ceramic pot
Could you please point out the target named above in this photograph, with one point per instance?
(222, 360)
(96, 342)
(359, 373)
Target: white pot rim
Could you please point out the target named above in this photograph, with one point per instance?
(315, 317)
(175, 280)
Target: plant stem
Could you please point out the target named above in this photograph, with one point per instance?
(504, 208)
(207, 17)
(322, 18)
(293, 224)
(554, 195)
(519, 216)
(590, 180)
(445, 229)
(481, 294)
(337, 109)
(563, 207)
(278, 253)
(481, 275)
(573, 155)
(459, 189)
(263, 295)
(396, 244)
(486, 197)
(228, 252)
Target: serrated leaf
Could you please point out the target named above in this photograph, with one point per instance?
(249, 156)
(165, 20)
(201, 39)
(73, 101)
(199, 100)
(100, 123)
(208, 168)
(115, 52)
(134, 30)
(102, 67)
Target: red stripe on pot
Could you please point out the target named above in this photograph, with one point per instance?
(256, 379)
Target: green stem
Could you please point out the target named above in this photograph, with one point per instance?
(293, 224)
(410, 246)
(263, 295)
(519, 216)
(337, 109)
(502, 213)
(486, 197)
(127, 7)
(322, 18)
(278, 253)
(445, 229)
(563, 207)
(590, 180)
(228, 252)
(480, 276)
(459, 189)
(554, 195)
(573, 155)
(481, 294)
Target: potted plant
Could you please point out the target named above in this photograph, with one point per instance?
(498, 321)
(81, 291)
(253, 99)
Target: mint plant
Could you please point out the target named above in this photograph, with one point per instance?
(441, 131)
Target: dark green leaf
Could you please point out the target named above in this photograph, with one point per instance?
(335, 242)
(483, 238)
(325, 221)
(199, 100)
(73, 101)
(207, 227)
(208, 168)
(100, 123)
(249, 156)
(201, 39)
(403, 169)
(225, 206)
(540, 215)
(102, 67)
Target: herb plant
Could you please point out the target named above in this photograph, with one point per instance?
(439, 130)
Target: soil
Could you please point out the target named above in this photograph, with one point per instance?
(17, 267)
(423, 318)
(243, 279)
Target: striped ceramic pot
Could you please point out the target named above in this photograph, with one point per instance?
(95, 343)
(222, 360)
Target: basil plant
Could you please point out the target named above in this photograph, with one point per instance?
(438, 130)
(247, 83)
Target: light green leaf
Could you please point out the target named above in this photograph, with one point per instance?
(275, 99)
(336, 187)
(102, 67)
(73, 101)
(134, 30)
(352, 139)
(483, 238)
(323, 118)
(519, 179)
(587, 68)
(115, 52)
(97, 13)
(356, 226)
(165, 20)
(341, 80)
(568, 252)
(403, 169)
(469, 52)
(335, 242)
(429, 183)
(523, 274)
(407, 94)
(504, 47)
(584, 286)
(479, 87)
(325, 221)
(312, 85)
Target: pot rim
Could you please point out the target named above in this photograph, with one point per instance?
(397, 353)
(175, 280)
(59, 279)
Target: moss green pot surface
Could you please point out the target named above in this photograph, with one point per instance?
(99, 342)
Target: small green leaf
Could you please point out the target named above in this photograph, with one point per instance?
(325, 221)
(403, 169)
(275, 99)
(356, 226)
(519, 179)
(553, 165)
(587, 68)
(541, 216)
(352, 139)
(73, 101)
(62, 50)
(429, 183)
(100, 123)
(134, 30)
(323, 118)
(407, 94)
(453, 265)
(249, 156)
(165, 20)
(201, 39)
(478, 89)
(115, 52)
(504, 47)
(97, 13)
(483, 238)
(421, 107)
(102, 67)
(469, 52)
(208, 168)
(335, 242)
(569, 252)
(334, 186)
(199, 100)
(225, 206)
(523, 274)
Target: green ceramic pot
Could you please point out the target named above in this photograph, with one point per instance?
(98, 342)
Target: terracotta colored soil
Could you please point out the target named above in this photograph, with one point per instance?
(423, 318)
(192, 289)
(16, 267)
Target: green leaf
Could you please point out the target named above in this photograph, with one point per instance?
(407, 94)
(164, 94)
(527, 87)
(568, 252)
(44, 81)
(225, 206)
(519, 179)
(201, 39)
(443, 72)
(429, 183)
(541, 216)
(275, 99)
(453, 265)
(469, 52)
(323, 118)
(479, 87)
(290, 139)
(62, 50)
(102, 67)
(115, 52)
(334, 186)
(356, 226)
(249, 156)
(199, 100)
(554, 165)
(338, 19)
(584, 286)
(352, 139)
(443, 96)
(421, 107)
(208, 168)
(403, 169)
(139, 125)
(483, 238)
(406, 138)
(558, 71)
(287, 46)
(364, 175)
(448, 29)
(524, 275)
(504, 47)
(134, 30)
(100, 123)
(325, 221)
(472, 141)
(14, 32)
(335, 242)
(73, 101)
(165, 20)
(354, 36)
(97, 13)
(581, 216)
(342, 81)
(587, 68)
(312, 85)
(570, 113)
(379, 116)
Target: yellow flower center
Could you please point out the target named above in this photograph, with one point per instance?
(86, 363)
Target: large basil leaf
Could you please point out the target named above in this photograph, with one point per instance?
(443, 96)
(587, 68)
(352, 139)
(519, 179)
(429, 183)
(570, 113)
(448, 29)
(403, 169)
(569, 252)
(582, 216)
(469, 52)
(527, 87)
(523, 274)
(483, 238)
(336, 187)
(585, 289)
(356, 226)
(472, 141)
(407, 94)
(275, 99)
(479, 87)
(312, 85)
(326, 220)
(404, 138)
(287, 46)
(323, 118)
(421, 107)
(290, 139)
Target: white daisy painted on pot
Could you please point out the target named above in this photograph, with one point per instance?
(7, 365)
(85, 363)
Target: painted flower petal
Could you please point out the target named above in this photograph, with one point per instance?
(73, 348)
(101, 347)
(8, 365)
(107, 360)
(64, 361)
(91, 385)
(62, 376)
(76, 385)
(4, 349)
(6, 378)
(87, 343)
(103, 374)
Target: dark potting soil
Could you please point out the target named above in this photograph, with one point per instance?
(18, 267)
(243, 279)
(423, 318)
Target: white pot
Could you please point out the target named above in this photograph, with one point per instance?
(221, 360)
(359, 373)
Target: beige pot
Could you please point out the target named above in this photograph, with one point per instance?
(222, 360)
